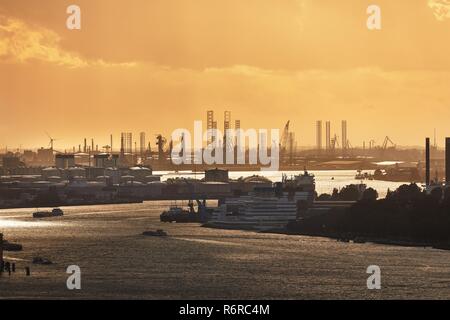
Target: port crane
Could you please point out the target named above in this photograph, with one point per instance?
(160, 142)
(334, 142)
(387, 141)
(179, 215)
(385, 146)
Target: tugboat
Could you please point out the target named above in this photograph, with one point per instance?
(43, 261)
(180, 215)
(48, 214)
(176, 214)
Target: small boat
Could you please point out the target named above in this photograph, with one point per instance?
(48, 214)
(157, 233)
(8, 246)
(43, 261)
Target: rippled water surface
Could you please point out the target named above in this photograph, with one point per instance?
(194, 262)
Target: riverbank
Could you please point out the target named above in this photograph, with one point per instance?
(291, 230)
(369, 239)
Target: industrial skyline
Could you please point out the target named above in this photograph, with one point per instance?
(315, 66)
(330, 137)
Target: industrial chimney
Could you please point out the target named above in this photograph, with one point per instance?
(427, 162)
(447, 161)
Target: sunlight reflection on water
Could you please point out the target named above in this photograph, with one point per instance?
(6, 223)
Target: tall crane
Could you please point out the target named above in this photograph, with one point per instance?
(160, 142)
(387, 141)
(334, 142)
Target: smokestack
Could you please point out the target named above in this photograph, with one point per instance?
(328, 135)
(344, 135)
(111, 143)
(319, 135)
(447, 161)
(427, 161)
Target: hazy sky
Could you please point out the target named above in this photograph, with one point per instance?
(157, 65)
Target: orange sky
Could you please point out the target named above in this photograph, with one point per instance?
(157, 65)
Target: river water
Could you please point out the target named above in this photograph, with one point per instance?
(193, 262)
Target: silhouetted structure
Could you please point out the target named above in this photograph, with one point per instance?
(427, 161)
(328, 136)
(216, 175)
(142, 143)
(344, 136)
(210, 124)
(319, 135)
(64, 161)
(126, 142)
(447, 161)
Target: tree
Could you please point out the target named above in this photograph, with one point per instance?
(349, 193)
(335, 194)
(370, 194)
(325, 197)
(407, 193)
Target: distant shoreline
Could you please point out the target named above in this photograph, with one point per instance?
(362, 239)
